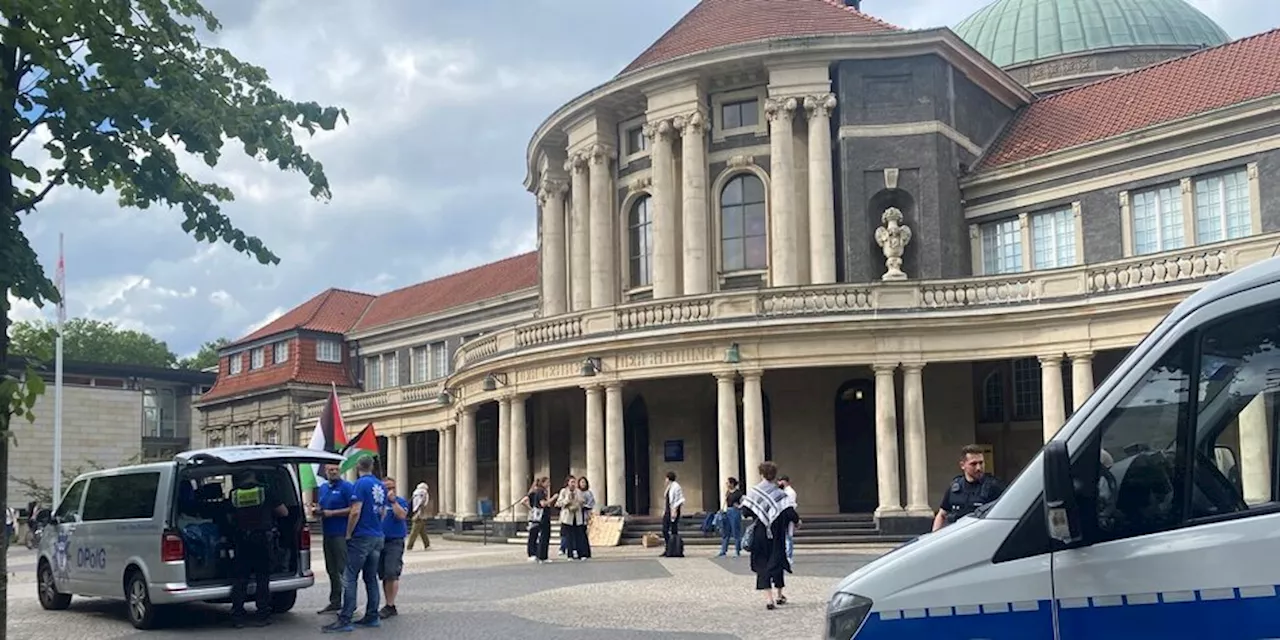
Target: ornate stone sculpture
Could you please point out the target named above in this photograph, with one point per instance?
(822, 105)
(691, 125)
(780, 108)
(893, 237)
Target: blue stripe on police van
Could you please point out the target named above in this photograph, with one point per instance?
(1244, 612)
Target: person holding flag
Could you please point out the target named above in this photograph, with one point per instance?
(332, 497)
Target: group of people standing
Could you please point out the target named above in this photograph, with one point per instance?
(576, 503)
(770, 506)
(365, 526)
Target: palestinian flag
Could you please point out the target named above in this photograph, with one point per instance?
(329, 435)
(364, 445)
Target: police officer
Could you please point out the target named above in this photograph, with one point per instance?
(969, 490)
(253, 514)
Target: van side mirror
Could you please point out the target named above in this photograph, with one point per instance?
(1061, 513)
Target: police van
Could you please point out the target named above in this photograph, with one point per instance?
(157, 534)
(1153, 513)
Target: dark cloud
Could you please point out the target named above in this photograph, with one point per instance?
(443, 97)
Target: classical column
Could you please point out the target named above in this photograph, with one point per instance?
(465, 479)
(693, 148)
(519, 452)
(1081, 379)
(401, 465)
(784, 264)
(503, 497)
(1255, 451)
(1051, 399)
(615, 486)
(580, 228)
(603, 264)
(445, 467)
(662, 210)
(914, 440)
(389, 463)
(727, 426)
(753, 425)
(822, 214)
(887, 441)
(595, 436)
(553, 252)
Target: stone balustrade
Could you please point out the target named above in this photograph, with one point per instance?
(1095, 282)
(371, 400)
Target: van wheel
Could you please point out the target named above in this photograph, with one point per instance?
(283, 601)
(50, 599)
(141, 612)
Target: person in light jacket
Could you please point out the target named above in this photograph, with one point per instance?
(420, 517)
(673, 502)
(569, 500)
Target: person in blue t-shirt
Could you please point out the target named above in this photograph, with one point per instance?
(395, 528)
(364, 549)
(333, 509)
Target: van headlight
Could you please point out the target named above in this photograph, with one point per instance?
(845, 615)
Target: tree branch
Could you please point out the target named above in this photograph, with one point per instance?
(32, 127)
(35, 200)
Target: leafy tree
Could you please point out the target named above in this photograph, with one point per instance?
(90, 341)
(206, 357)
(118, 86)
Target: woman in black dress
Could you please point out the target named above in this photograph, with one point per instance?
(773, 511)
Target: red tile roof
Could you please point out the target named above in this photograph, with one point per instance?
(301, 367)
(473, 285)
(1196, 83)
(720, 23)
(339, 311)
(333, 311)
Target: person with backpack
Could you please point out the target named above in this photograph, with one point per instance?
(420, 517)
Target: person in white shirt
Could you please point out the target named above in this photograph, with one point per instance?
(674, 500)
(785, 483)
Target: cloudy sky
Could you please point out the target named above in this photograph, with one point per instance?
(443, 96)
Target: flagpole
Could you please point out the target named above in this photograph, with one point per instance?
(57, 378)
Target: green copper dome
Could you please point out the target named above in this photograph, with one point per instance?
(1010, 32)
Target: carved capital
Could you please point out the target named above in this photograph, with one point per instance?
(821, 106)
(601, 154)
(659, 130)
(1053, 361)
(1252, 170)
(691, 125)
(550, 187)
(576, 163)
(780, 108)
(884, 368)
(741, 161)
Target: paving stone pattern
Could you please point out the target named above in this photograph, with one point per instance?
(461, 590)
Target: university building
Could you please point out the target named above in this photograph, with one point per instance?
(792, 231)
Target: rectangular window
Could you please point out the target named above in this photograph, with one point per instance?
(439, 360)
(280, 352)
(1222, 207)
(122, 497)
(421, 372)
(636, 142)
(236, 362)
(257, 358)
(328, 351)
(1157, 220)
(743, 113)
(1001, 247)
(1027, 401)
(150, 413)
(373, 373)
(391, 369)
(1053, 239)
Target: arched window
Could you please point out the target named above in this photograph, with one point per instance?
(640, 241)
(743, 226)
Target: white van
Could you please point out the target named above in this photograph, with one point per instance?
(1153, 513)
(156, 534)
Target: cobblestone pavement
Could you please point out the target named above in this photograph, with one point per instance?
(462, 590)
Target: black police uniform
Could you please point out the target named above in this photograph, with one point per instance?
(963, 497)
(253, 517)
